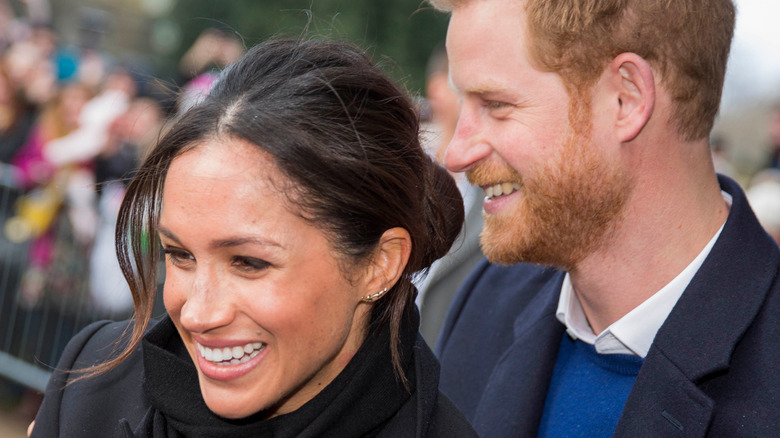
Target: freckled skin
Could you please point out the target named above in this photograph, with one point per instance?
(514, 127)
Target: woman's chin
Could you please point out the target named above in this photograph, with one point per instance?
(227, 409)
(231, 402)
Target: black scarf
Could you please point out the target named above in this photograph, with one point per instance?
(357, 403)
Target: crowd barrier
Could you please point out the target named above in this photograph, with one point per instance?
(44, 292)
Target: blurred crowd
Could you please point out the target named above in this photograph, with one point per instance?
(764, 192)
(74, 122)
(762, 186)
(72, 126)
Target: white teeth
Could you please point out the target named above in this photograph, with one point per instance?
(501, 189)
(238, 361)
(231, 355)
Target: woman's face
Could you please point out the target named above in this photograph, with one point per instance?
(256, 292)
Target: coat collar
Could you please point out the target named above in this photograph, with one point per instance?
(522, 375)
(696, 341)
(700, 334)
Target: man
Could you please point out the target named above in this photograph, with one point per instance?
(437, 289)
(657, 306)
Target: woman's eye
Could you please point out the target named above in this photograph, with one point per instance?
(178, 257)
(249, 264)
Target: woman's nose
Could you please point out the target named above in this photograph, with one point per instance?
(206, 307)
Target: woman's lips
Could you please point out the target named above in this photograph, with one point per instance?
(228, 363)
(230, 355)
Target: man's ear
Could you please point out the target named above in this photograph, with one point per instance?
(388, 261)
(633, 81)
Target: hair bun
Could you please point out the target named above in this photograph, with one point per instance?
(444, 212)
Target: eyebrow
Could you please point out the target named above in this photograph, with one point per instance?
(238, 241)
(226, 243)
(488, 91)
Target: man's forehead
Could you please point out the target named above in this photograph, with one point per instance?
(487, 23)
(486, 47)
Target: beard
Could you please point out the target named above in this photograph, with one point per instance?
(567, 208)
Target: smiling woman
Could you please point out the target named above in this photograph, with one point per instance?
(293, 205)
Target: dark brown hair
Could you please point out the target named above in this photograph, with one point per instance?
(347, 139)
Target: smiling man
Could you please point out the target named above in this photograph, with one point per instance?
(629, 289)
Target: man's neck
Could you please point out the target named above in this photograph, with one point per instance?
(665, 227)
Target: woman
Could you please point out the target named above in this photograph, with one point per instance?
(294, 205)
(17, 116)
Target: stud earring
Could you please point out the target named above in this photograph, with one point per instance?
(370, 298)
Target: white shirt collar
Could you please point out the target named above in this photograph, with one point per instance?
(634, 332)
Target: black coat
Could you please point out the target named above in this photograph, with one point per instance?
(711, 370)
(115, 404)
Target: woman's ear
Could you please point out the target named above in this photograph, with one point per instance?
(388, 262)
(633, 83)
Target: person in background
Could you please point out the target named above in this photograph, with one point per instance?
(130, 137)
(17, 118)
(631, 291)
(59, 117)
(764, 197)
(438, 287)
(83, 145)
(88, 141)
(212, 51)
(720, 157)
(774, 137)
(294, 205)
(44, 186)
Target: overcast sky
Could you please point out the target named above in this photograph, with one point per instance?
(754, 69)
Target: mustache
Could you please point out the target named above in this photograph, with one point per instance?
(489, 173)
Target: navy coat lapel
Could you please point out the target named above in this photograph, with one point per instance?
(699, 336)
(521, 377)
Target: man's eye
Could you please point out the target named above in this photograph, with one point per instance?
(494, 104)
(249, 264)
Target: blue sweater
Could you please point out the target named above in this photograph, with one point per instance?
(587, 391)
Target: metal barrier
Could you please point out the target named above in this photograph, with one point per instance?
(44, 292)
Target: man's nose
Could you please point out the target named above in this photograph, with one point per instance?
(468, 145)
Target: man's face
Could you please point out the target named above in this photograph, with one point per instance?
(552, 194)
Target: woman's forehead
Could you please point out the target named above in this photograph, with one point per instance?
(216, 190)
(221, 174)
(225, 157)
